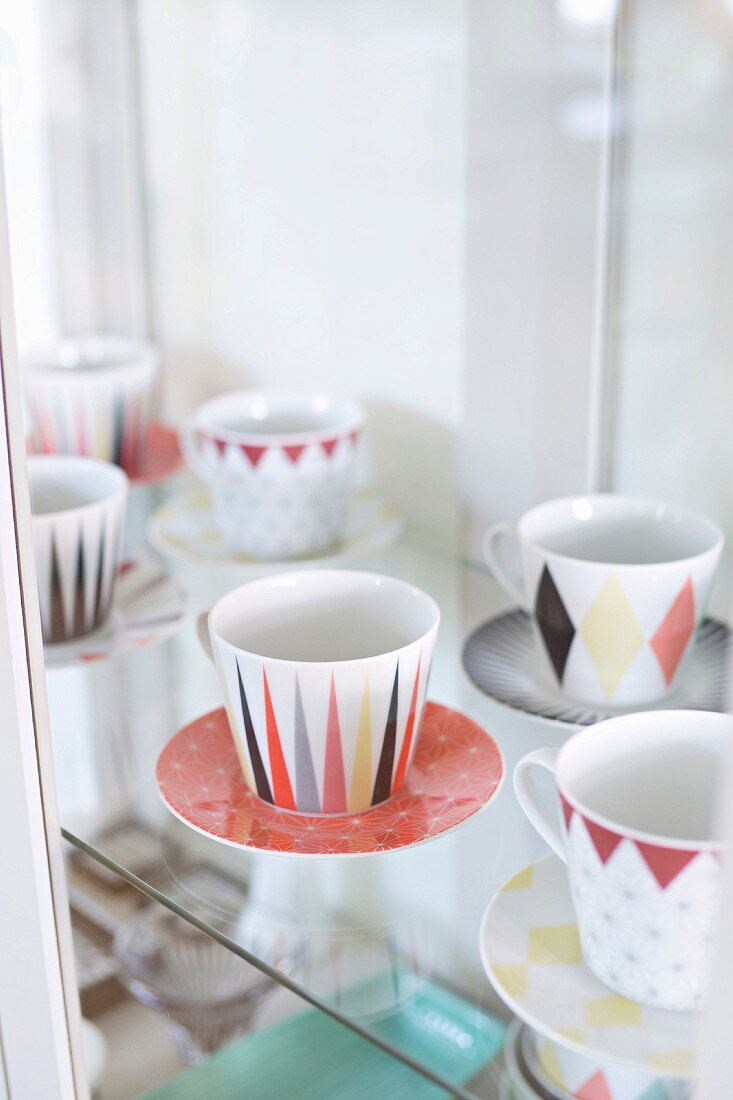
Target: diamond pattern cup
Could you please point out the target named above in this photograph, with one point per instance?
(616, 586)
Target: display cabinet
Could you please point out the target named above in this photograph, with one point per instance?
(453, 260)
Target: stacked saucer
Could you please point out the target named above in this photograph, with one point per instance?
(539, 1069)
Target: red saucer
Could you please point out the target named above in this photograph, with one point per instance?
(162, 457)
(458, 770)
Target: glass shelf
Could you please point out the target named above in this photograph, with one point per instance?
(365, 937)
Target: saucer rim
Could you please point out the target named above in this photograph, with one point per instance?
(541, 1026)
(251, 848)
(81, 652)
(381, 534)
(590, 714)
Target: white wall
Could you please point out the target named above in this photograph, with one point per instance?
(307, 206)
(675, 322)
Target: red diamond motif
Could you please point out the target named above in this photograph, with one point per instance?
(670, 640)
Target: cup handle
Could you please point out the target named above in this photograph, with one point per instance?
(532, 803)
(202, 629)
(513, 586)
(189, 447)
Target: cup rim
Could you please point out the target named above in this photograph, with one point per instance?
(689, 514)
(351, 417)
(657, 840)
(305, 575)
(98, 352)
(118, 477)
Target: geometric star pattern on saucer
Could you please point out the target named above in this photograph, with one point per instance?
(456, 771)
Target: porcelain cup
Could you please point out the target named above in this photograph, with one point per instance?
(616, 587)
(281, 467)
(637, 830)
(92, 396)
(78, 512)
(324, 675)
(566, 1073)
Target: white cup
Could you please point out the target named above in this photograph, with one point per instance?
(92, 396)
(281, 467)
(78, 507)
(638, 833)
(616, 587)
(324, 675)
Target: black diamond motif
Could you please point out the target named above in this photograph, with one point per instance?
(554, 623)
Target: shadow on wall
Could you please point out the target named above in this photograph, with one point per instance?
(412, 462)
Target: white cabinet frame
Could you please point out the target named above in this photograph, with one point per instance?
(40, 1049)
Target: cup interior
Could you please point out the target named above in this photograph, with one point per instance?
(92, 352)
(65, 483)
(654, 775)
(281, 414)
(619, 530)
(324, 616)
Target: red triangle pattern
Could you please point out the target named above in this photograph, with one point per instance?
(670, 640)
(334, 781)
(281, 788)
(595, 1088)
(567, 812)
(294, 452)
(401, 770)
(254, 454)
(665, 863)
(604, 841)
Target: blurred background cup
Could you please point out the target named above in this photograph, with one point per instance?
(280, 465)
(92, 395)
(616, 587)
(78, 511)
(324, 675)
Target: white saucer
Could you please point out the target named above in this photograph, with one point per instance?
(148, 607)
(530, 952)
(185, 528)
(501, 659)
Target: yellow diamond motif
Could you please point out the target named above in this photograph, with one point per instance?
(613, 1011)
(511, 978)
(521, 881)
(557, 944)
(673, 1061)
(551, 1065)
(611, 634)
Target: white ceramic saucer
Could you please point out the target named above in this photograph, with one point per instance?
(185, 528)
(502, 660)
(148, 607)
(531, 954)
